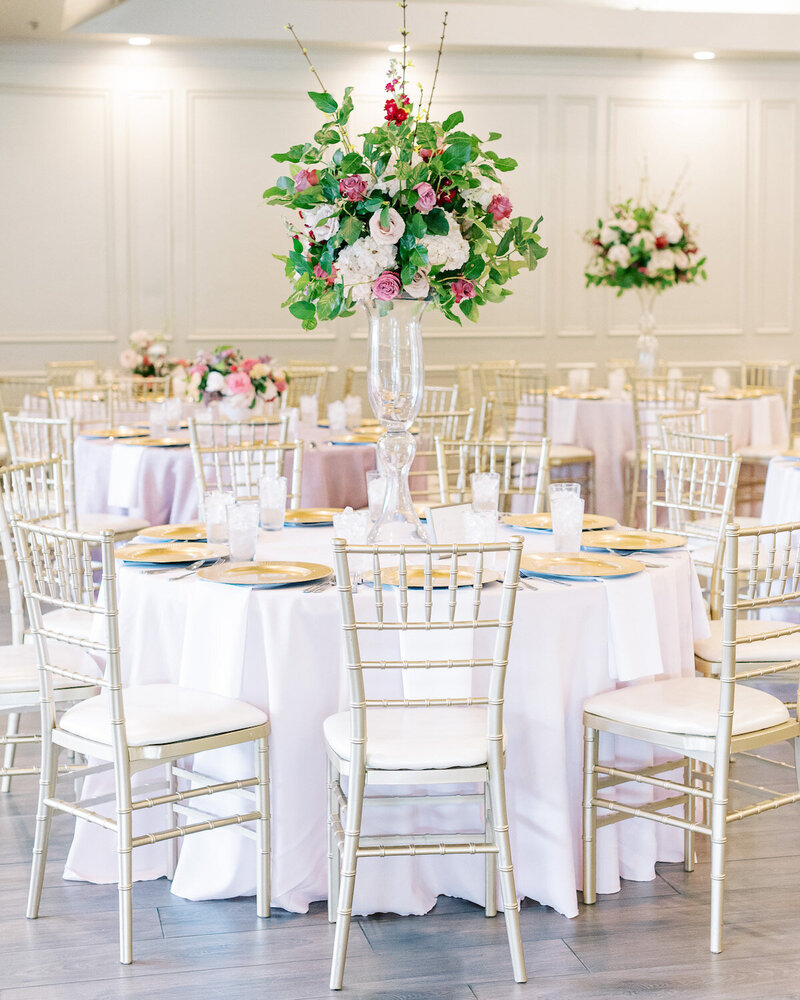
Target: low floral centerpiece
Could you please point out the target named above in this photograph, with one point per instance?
(242, 386)
(147, 355)
(412, 212)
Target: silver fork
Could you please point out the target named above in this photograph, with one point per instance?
(195, 566)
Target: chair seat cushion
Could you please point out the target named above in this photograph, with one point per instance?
(69, 621)
(756, 453)
(687, 706)
(162, 713)
(415, 739)
(785, 647)
(19, 672)
(92, 524)
(570, 453)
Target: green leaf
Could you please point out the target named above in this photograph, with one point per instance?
(326, 104)
(371, 204)
(285, 183)
(474, 268)
(292, 155)
(437, 223)
(455, 156)
(470, 310)
(302, 310)
(407, 274)
(353, 164)
(300, 263)
(505, 243)
(327, 136)
(426, 135)
(416, 225)
(385, 216)
(351, 229)
(347, 107)
(452, 120)
(494, 136)
(330, 187)
(274, 192)
(506, 163)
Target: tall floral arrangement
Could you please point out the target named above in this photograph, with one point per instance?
(416, 208)
(146, 355)
(643, 246)
(226, 375)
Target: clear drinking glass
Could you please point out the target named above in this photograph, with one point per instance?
(337, 416)
(157, 419)
(353, 526)
(173, 412)
(215, 506)
(309, 410)
(242, 530)
(485, 490)
(566, 512)
(376, 491)
(272, 501)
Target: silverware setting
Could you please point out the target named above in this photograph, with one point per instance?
(317, 588)
(192, 568)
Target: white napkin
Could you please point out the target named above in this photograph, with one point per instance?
(633, 646)
(721, 379)
(352, 409)
(455, 644)
(616, 382)
(565, 419)
(578, 379)
(761, 422)
(123, 477)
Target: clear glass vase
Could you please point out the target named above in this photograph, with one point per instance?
(647, 344)
(395, 379)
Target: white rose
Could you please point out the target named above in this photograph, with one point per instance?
(215, 382)
(620, 255)
(627, 225)
(681, 260)
(158, 350)
(647, 240)
(389, 234)
(419, 287)
(129, 359)
(322, 222)
(607, 235)
(662, 260)
(139, 339)
(665, 224)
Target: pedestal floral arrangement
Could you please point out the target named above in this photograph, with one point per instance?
(413, 213)
(147, 355)
(649, 249)
(243, 387)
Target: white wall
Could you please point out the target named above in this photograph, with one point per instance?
(131, 196)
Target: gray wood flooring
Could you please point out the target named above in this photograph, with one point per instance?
(650, 940)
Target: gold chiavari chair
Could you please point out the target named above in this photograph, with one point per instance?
(685, 430)
(465, 379)
(457, 425)
(522, 397)
(20, 391)
(306, 380)
(255, 431)
(652, 395)
(237, 468)
(34, 438)
(64, 374)
(766, 374)
(439, 398)
(131, 396)
(385, 742)
(128, 728)
(19, 676)
(706, 370)
(756, 458)
(355, 381)
(702, 719)
(487, 372)
(523, 467)
(85, 406)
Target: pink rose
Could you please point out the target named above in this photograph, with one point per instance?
(500, 207)
(247, 364)
(280, 384)
(386, 234)
(238, 383)
(198, 369)
(305, 179)
(353, 188)
(426, 197)
(387, 286)
(462, 289)
(320, 272)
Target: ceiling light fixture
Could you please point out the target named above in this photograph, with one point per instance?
(705, 54)
(398, 47)
(139, 40)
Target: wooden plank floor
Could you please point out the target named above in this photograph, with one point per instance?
(650, 940)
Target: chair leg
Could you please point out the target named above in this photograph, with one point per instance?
(590, 749)
(124, 866)
(334, 809)
(797, 760)
(12, 728)
(355, 803)
(719, 806)
(505, 865)
(172, 821)
(44, 816)
(263, 880)
(490, 860)
(689, 816)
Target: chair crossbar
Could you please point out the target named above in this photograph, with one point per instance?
(432, 626)
(423, 702)
(192, 812)
(754, 788)
(764, 806)
(13, 772)
(647, 779)
(192, 793)
(74, 809)
(766, 760)
(423, 664)
(5, 740)
(434, 800)
(386, 849)
(652, 807)
(775, 668)
(175, 832)
(83, 680)
(649, 812)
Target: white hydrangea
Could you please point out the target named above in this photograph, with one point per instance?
(627, 225)
(322, 221)
(450, 251)
(665, 224)
(482, 195)
(360, 264)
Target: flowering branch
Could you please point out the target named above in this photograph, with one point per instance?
(436, 72)
(404, 5)
(290, 27)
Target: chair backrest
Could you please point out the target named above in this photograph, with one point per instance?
(406, 608)
(62, 374)
(697, 501)
(306, 380)
(224, 432)
(794, 409)
(439, 398)
(18, 392)
(523, 467)
(31, 439)
(355, 381)
(766, 374)
(657, 394)
(522, 403)
(486, 371)
(707, 370)
(685, 430)
(465, 379)
(86, 406)
(454, 425)
(131, 396)
(237, 468)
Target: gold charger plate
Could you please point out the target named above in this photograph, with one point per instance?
(359, 437)
(177, 532)
(579, 565)
(265, 574)
(169, 552)
(631, 540)
(318, 516)
(543, 522)
(440, 575)
(113, 432)
(165, 442)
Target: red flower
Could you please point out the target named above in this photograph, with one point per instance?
(395, 113)
(390, 86)
(447, 193)
(500, 207)
(320, 272)
(662, 243)
(462, 289)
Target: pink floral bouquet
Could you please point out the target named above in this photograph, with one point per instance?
(146, 355)
(225, 375)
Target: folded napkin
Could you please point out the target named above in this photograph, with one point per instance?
(578, 379)
(721, 379)
(564, 422)
(633, 647)
(123, 480)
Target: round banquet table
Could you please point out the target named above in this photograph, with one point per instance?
(606, 426)
(782, 491)
(280, 649)
(157, 483)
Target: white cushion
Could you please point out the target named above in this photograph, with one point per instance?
(785, 647)
(93, 524)
(68, 621)
(753, 452)
(415, 739)
(570, 452)
(687, 706)
(162, 713)
(19, 672)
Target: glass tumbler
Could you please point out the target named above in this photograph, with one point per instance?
(215, 506)
(272, 502)
(243, 530)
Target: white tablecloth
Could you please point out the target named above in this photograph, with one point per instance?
(782, 491)
(606, 427)
(280, 649)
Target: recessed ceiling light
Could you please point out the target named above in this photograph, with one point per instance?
(138, 40)
(398, 47)
(705, 54)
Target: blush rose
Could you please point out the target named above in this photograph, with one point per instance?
(387, 286)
